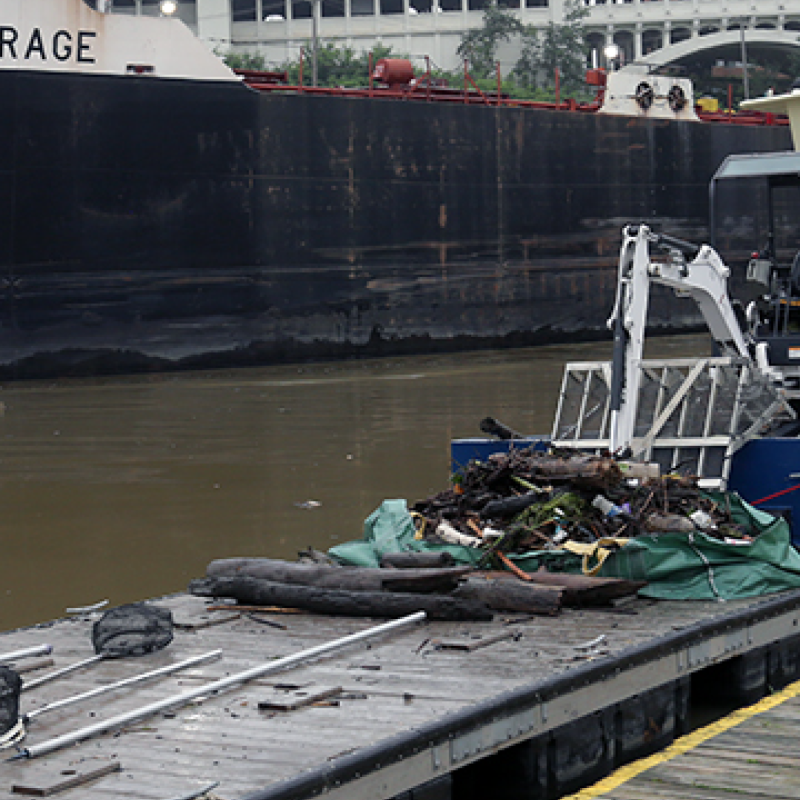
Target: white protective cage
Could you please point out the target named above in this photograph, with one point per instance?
(692, 414)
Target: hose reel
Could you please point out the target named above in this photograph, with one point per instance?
(676, 98)
(644, 95)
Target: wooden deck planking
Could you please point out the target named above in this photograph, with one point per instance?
(228, 738)
(757, 759)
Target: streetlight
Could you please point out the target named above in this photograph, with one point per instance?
(168, 8)
(611, 52)
(744, 59)
(315, 20)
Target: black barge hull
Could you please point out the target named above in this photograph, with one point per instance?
(163, 223)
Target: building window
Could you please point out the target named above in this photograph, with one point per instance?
(332, 8)
(679, 35)
(243, 10)
(391, 6)
(273, 10)
(651, 40)
(361, 8)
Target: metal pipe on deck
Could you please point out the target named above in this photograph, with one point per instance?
(125, 683)
(216, 686)
(59, 673)
(38, 650)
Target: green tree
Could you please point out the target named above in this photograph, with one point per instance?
(245, 61)
(561, 47)
(336, 66)
(479, 45)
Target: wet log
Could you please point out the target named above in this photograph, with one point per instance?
(588, 471)
(426, 560)
(578, 590)
(367, 579)
(585, 590)
(261, 592)
(512, 595)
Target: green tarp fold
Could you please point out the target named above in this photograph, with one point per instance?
(676, 566)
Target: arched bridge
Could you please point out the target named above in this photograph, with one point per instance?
(665, 31)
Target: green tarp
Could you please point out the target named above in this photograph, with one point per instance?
(676, 566)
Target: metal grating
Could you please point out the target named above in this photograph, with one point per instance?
(692, 415)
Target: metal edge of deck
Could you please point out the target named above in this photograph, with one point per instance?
(422, 754)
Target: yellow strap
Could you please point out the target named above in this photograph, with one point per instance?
(599, 550)
(420, 532)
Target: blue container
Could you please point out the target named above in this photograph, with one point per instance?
(766, 473)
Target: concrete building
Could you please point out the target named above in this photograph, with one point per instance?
(657, 31)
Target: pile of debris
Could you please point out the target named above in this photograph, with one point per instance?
(528, 500)
(510, 504)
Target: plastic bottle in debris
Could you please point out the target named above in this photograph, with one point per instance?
(452, 536)
(607, 507)
(703, 520)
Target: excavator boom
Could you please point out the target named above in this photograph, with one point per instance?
(691, 270)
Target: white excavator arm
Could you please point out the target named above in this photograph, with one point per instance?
(697, 272)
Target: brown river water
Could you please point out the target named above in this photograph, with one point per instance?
(123, 489)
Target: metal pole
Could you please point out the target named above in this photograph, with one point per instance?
(314, 40)
(744, 61)
(216, 686)
(125, 682)
(38, 650)
(51, 676)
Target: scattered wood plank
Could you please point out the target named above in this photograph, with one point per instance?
(255, 609)
(297, 699)
(258, 591)
(195, 623)
(469, 645)
(79, 779)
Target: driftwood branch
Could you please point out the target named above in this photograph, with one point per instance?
(586, 590)
(512, 595)
(578, 590)
(587, 471)
(261, 592)
(348, 578)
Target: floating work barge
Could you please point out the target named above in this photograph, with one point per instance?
(522, 706)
